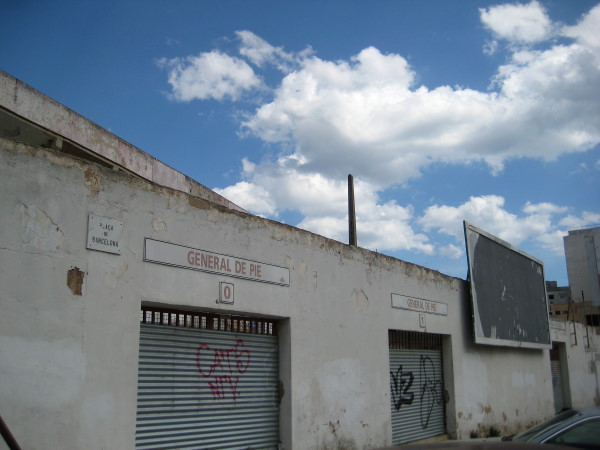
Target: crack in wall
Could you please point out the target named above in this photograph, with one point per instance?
(40, 231)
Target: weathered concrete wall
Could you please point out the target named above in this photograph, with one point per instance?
(581, 361)
(68, 341)
(69, 328)
(503, 389)
(509, 390)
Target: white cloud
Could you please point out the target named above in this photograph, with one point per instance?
(586, 31)
(543, 208)
(172, 42)
(212, 75)
(253, 198)
(518, 22)
(553, 241)
(486, 212)
(256, 49)
(451, 251)
(587, 218)
(323, 203)
(490, 47)
(368, 116)
(259, 52)
(489, 213)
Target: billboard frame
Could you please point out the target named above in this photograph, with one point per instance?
(489, 336)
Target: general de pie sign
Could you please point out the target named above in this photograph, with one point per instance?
(419, 305)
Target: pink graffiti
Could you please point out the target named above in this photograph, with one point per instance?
(226, 368)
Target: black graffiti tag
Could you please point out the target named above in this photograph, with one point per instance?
(431, 389)
(401, 384)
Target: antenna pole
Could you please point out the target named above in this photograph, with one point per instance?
(352, 240)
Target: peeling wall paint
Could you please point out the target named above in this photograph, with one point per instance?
(93, 181)
(75, 280)
(159, 225)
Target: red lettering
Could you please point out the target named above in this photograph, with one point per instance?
(255, 269)
(190, 258)
(212, 369)
(218, 390)
(205, 260)
(226, 367)
(240, 267)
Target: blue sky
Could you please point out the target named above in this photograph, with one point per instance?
(442, 110)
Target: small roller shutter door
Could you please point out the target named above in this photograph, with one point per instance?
(207, 389)
(557, 386)
(417, 394)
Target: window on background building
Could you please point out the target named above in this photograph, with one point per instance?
(593, 320)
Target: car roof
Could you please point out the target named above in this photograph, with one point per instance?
(548, 429)
(475, 445)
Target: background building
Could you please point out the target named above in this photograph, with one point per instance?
(582, 250)
(559, 300)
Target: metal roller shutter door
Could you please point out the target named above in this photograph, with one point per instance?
(417, 388)
(557, 387)
(207, 389)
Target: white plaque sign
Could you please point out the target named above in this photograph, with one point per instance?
(160, 252)
(226, 293)
(104, 234)
(419, 305)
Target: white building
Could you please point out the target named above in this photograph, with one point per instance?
(139, 309)
(582, 252)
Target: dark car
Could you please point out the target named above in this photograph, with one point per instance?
(574, 428)
(579, 428)
(476, 445)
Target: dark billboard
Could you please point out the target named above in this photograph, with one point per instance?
(508, 293)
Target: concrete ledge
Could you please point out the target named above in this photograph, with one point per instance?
(35, 107)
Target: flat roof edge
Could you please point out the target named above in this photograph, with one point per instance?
(39, 109)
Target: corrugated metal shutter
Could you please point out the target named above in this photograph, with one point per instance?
(207, 389)
(417, 389)
(557, 386)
